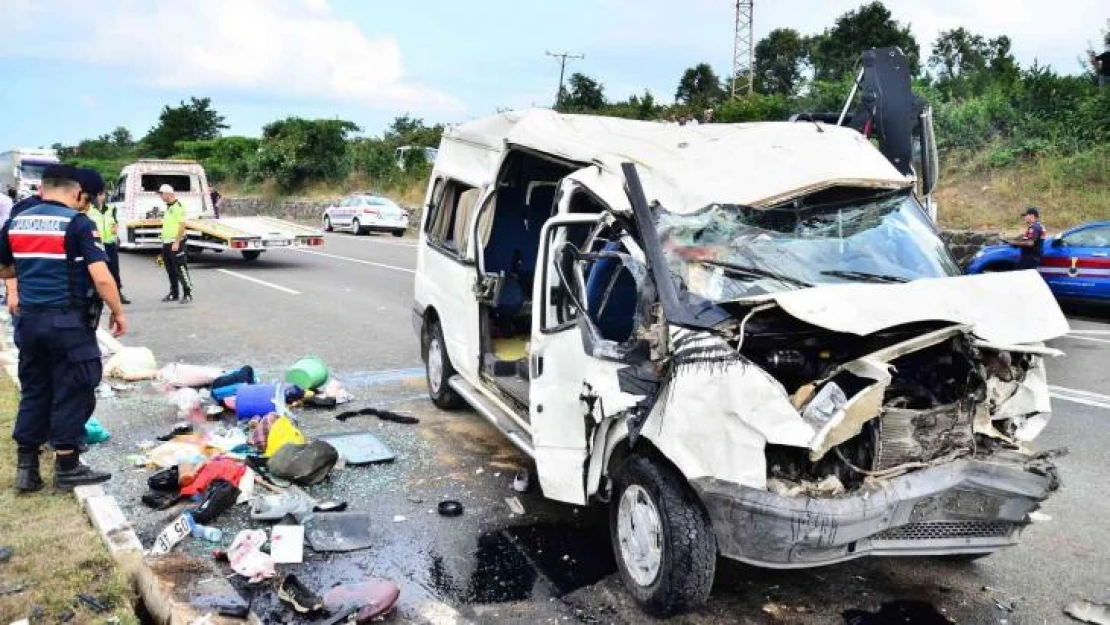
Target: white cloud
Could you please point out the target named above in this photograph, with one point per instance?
(285, 48)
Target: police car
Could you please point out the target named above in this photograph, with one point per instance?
(1075, 264)
(360, 213)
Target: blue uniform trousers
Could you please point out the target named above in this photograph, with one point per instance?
(59, 370)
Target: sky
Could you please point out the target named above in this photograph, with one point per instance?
(75, 69)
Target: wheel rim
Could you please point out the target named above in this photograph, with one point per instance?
(355, 227)
(435, 365)
(640, 534)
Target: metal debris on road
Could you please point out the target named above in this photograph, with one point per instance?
(1088, 612)
(515, 505)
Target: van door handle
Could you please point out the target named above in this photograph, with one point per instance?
(536, 360)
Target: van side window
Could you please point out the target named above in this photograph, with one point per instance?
(121, 190)
(448, 216)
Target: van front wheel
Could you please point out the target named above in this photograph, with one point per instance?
(662, 538)
(438, 369)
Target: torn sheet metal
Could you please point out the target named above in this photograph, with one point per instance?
(863, 309)
(717, 411)
(1025, 402)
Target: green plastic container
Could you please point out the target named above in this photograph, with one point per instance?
(308, 373)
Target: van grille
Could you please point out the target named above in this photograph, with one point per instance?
(934, 530)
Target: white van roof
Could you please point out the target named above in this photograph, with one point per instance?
(685, 168)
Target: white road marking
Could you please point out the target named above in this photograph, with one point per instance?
(236, 274)
(1087, 398)
(357, 260)
(1099, 332)
(378, 240)
(1087, 338)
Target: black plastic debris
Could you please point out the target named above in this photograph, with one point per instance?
(93, 603)
(6, 554)
(338, 531)
(916, 612)
(450, 507)
(384, 415)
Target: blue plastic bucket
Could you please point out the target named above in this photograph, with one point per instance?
(255, 400)
(223, 392)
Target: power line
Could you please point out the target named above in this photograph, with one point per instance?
(743, 46)
(562, 56)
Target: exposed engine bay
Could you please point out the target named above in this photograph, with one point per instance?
(889, 403)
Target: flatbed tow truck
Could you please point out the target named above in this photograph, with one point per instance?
(139, 212)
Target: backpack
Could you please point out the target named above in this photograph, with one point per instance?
(305, 464)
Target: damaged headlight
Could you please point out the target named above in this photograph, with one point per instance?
(824, 406)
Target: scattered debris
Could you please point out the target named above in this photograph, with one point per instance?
(521, 481)
(95, 432)
(6, 554)
(274, 507)
(371, 598)
(1006, 606)
(179, 429)
(515, 505)
(12, 589)
(1088, 612)
(358, 448)
(93, 603)
(399, 518)
(183, 375)
(776, 611)
(105, 391)
(1039, 517)
(132, 364)
(306, 464)
(338, 531)
(384, 415)
(177, 530)
(296, 594)
(287, 544)
(917, 612)
(450, 507)
(246, 557)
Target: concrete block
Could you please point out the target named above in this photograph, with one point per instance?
(114, 529)
(84, 493)
(179, 589)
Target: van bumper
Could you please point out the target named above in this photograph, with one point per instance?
(963, 507)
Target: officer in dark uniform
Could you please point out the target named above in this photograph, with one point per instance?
(1032, 242)
(53, 250)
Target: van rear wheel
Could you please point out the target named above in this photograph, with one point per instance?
(662, 538)
(438, 369)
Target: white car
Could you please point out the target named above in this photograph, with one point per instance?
(360, 213)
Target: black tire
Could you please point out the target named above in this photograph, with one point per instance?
(398, 233)
(327, 224)
(440, 392)
(684, 577)
(251, 255)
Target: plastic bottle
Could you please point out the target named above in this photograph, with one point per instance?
(211, 534)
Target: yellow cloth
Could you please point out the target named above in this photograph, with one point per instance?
(172, 220)
(282, 433)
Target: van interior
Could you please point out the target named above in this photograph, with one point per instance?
(509, 229)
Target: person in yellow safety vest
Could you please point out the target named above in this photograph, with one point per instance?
(103, 217)
(173, 247)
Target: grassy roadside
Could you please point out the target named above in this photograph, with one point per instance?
(1070, 190)
(57, 552)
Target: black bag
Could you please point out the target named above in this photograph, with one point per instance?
(242, 375)
(165, 481)
(304, 464)
(219, 497)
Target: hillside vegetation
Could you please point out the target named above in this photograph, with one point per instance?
(1008, 135)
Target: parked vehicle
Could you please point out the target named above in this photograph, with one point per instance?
(747, 339)
(360, 213)
(21, 169)
(1075, 264)
(139, 211)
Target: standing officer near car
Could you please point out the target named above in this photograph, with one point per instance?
(1032, 242)
(53, 250)
(173, 247)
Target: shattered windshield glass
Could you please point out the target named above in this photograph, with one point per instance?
(727, 251)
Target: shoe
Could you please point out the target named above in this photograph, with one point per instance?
(303, 600)
(123, 299)
(82, 475)
(172, 297)
(27, 476)
(188, 298)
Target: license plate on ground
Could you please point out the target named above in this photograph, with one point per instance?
(181, 527)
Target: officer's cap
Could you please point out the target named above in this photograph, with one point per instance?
(1032, 210)
(91, 182)
(165, 189)
(61, 173)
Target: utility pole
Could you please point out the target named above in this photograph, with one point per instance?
(562, 56)
(743, 46)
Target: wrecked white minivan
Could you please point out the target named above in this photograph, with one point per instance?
(747, 339)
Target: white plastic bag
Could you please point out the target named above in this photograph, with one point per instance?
(247, 558)
(132, 363)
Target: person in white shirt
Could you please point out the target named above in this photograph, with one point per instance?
(5, 208)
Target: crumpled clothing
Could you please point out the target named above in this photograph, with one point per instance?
(260, 430)
(215, 469)
(183, 375)
(173, 453)
(246, 557)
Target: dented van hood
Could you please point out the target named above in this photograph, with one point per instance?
(1007, 308)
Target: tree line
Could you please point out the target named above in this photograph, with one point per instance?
(983, 101)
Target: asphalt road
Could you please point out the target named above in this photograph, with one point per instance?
(350, 304)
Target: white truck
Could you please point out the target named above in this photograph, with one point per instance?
(21, 169)
(748, 340)
(139, 211)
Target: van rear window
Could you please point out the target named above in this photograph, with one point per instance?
(180, 182)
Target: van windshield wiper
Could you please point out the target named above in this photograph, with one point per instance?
(864, 276)
(755, 272)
